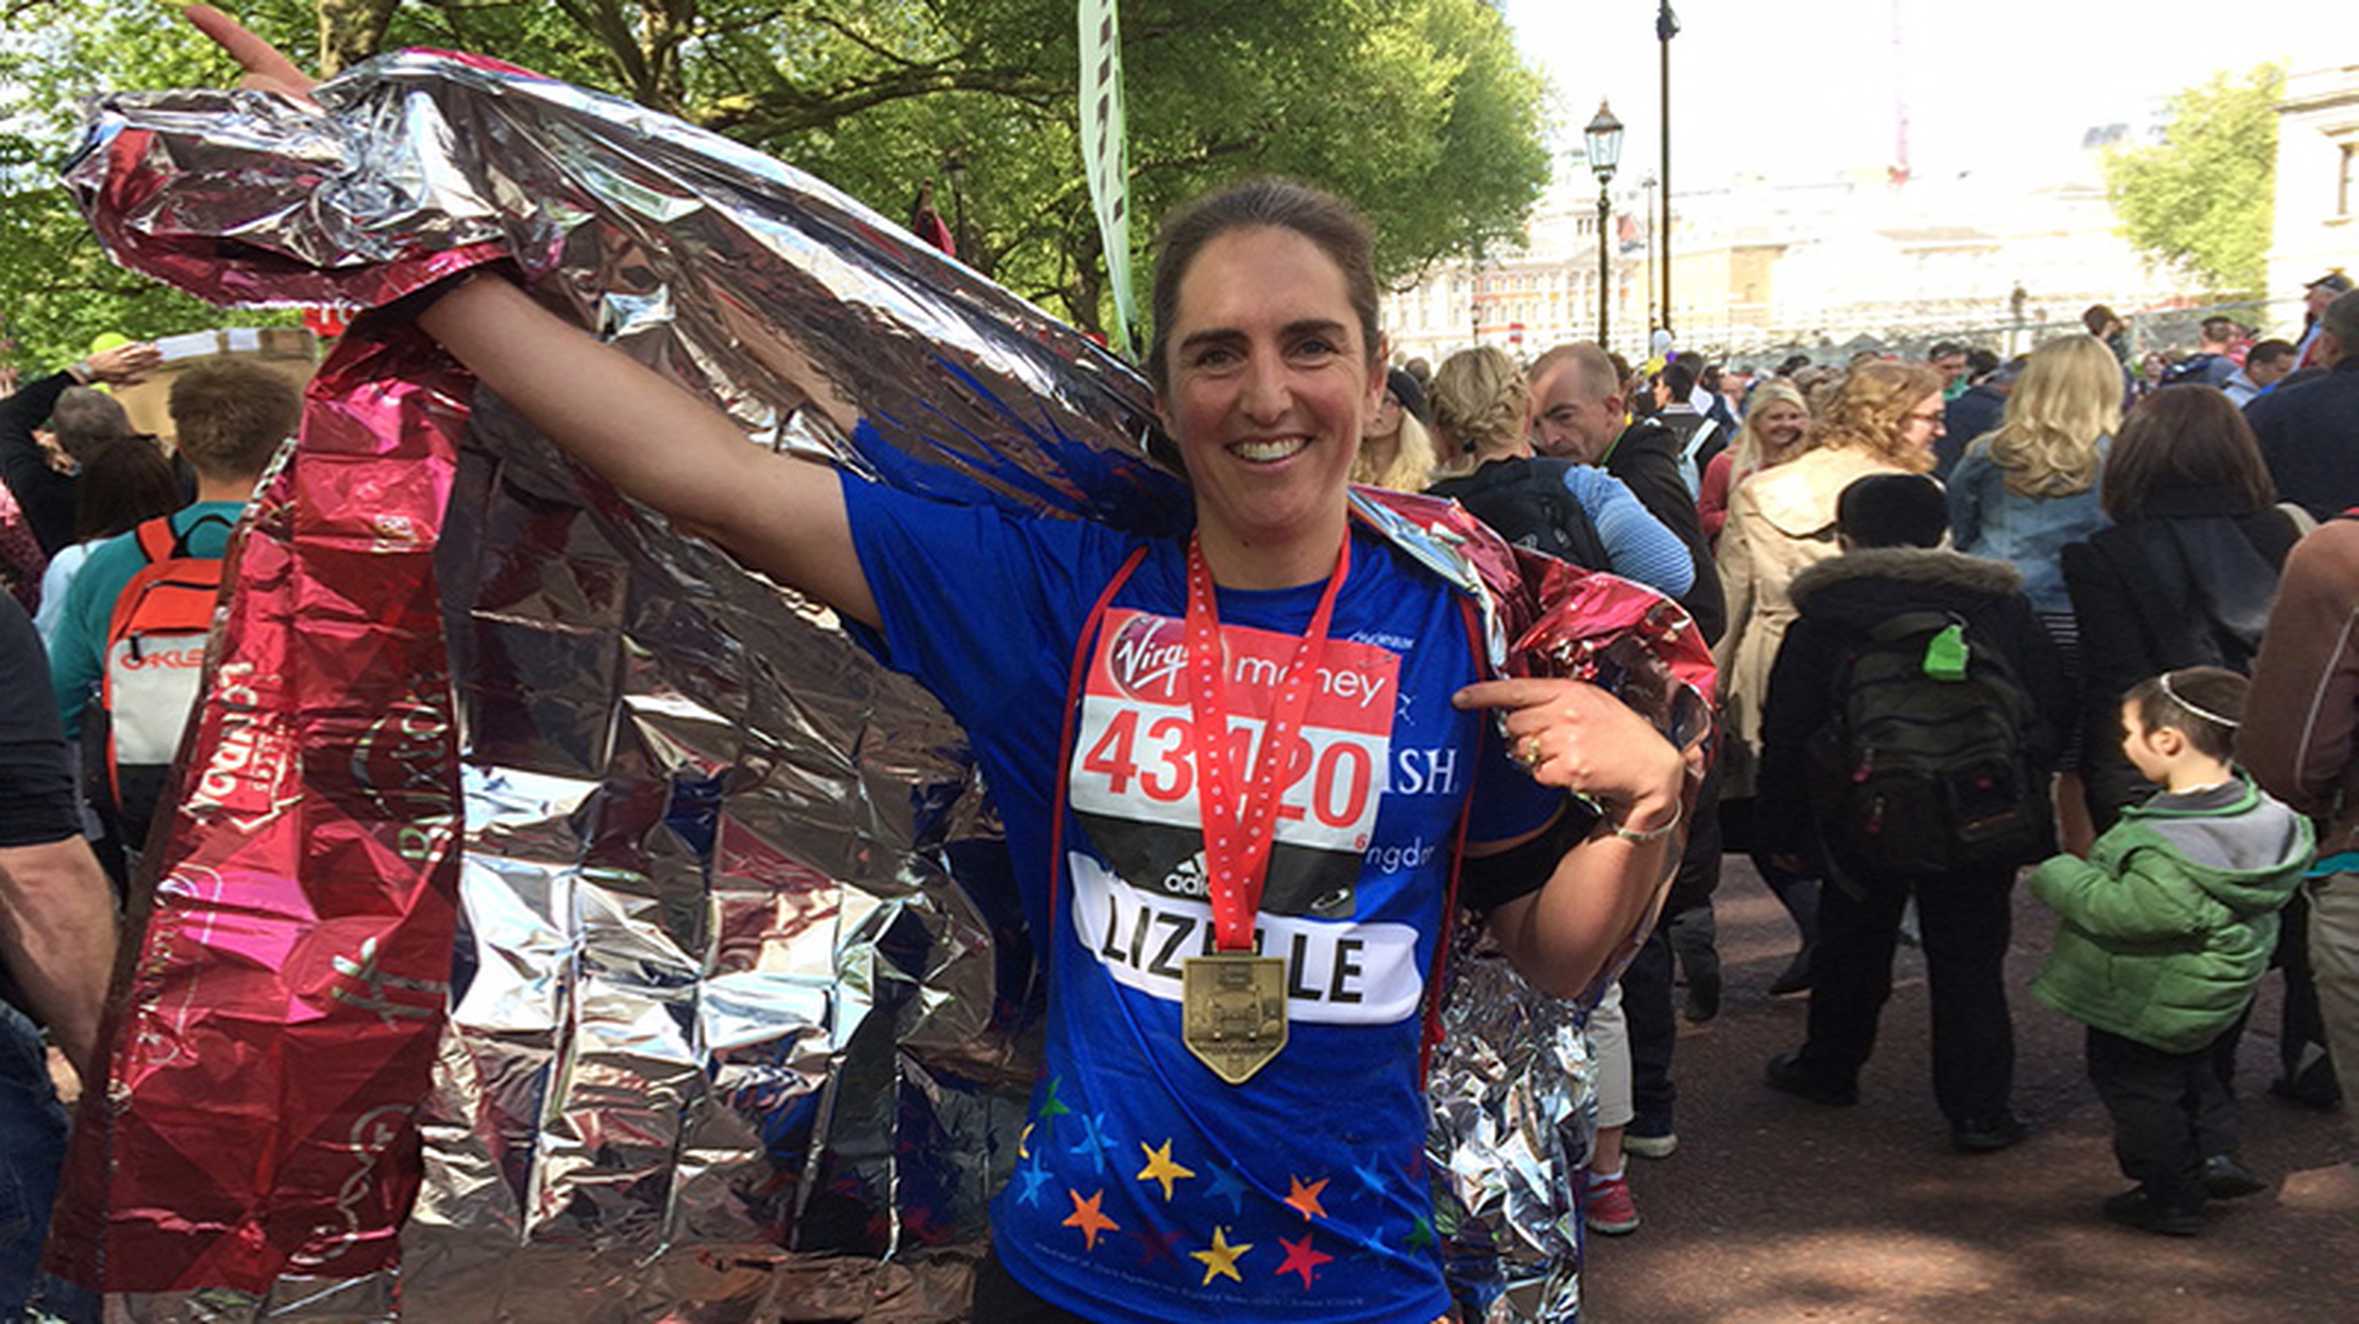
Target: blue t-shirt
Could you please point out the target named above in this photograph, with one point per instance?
(1146, 1190)
(1637, 545)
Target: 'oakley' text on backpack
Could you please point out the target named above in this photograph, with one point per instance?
(155, 656)
(1924, 770)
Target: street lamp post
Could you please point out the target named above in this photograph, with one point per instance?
(1648, 184)
(1666, 27)
(1604, 136)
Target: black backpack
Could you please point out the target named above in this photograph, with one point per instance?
(1525, 501)
(1924, 769)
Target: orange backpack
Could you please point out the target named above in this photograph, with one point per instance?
(155, 657)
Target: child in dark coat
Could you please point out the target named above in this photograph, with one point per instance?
(1893, 567)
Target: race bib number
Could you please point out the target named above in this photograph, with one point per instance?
(1133, 777)
(1337, 972)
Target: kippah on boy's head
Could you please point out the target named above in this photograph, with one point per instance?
(1892, 510)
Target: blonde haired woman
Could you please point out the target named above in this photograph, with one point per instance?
(1777, 421)
(1884, 419)
(1480, 403)
(2024, 491)
(1396, 451)
(1482, 408)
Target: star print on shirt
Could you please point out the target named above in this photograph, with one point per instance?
(1220, 1260)
(1034, 1177)
(1305, 1199)
(1085, 1216)
(1225, 1186)
(1421, 1235)
(1154, 1245)
(1161, 1168)
(1370, 1178)
(1093, 1142)
(1301, 1259)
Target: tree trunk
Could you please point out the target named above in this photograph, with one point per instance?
(1087, 291)
(351, 31)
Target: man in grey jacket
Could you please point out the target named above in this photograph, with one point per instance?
(1578, 414)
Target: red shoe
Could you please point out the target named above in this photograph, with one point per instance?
(1608, 1208)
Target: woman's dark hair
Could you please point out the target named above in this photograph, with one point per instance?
(1326, 220)
(2180, 437)
(126, 482)
(2205, 704)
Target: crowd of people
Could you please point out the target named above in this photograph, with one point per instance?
(1971, 617)
(2089, 559)
(111, 547)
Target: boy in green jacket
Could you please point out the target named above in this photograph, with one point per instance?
(2167, 929)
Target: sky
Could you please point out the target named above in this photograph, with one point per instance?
(1805, 89)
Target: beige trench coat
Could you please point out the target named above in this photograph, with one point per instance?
(1780, 521)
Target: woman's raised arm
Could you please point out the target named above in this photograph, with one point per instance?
(782, 516)
(646, 435)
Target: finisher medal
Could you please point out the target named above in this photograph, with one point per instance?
(1233, 1001)
(1233, 1016)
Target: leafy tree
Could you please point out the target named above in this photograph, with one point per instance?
(2201, 201)
(56, 289)
(1419, 110)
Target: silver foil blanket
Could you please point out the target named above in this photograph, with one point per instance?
(1514, 1094)
(575, 928)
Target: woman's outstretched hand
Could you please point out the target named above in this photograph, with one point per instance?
(267, 70)
(1583, 739)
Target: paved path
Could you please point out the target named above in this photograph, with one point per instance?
(1775, 1209)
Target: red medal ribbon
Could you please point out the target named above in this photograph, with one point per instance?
(1237, 847)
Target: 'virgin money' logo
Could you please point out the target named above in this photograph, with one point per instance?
(1145, 656)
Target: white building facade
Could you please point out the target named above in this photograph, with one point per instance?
(1762, 266)
(2317, 218)
(1526, 299)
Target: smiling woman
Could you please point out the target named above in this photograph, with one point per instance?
(1224, 762)
(1267, 360)
(1776, 427)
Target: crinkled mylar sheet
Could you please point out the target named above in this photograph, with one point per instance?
(725, 1038)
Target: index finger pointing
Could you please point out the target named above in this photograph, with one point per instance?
(1520, 693)
(252, 53)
